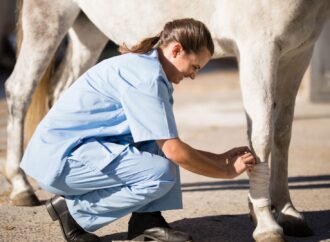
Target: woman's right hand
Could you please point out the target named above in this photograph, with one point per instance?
(239, 160)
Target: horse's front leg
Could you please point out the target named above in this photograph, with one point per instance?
(290, 72)
(258, 66)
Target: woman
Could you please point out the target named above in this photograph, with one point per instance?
(110, 146)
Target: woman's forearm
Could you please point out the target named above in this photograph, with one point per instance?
(200, 162)
(219, 157)
(205, 163)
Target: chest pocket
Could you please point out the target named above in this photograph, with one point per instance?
(95, 154)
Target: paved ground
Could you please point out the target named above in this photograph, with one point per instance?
(210, 116)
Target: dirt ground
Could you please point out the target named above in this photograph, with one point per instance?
(210, 116)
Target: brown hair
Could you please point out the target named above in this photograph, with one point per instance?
(192, 34)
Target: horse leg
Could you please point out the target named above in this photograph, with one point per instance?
(43, 31)
(290, 73)
(85, 44)
(258, 68)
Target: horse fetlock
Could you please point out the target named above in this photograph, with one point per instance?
(22, 192)
(19, 184)
(288, 209)
(293, 222)
(26, 198)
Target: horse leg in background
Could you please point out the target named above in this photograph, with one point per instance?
(85, 44)
(43, 30)
(258, 68)
(290, 72)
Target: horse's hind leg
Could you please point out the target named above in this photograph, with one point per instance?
(42, 32)
(85, 44)
(290, 73)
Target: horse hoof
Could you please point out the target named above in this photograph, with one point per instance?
(269, 237)
(25, 199)
(293, 226)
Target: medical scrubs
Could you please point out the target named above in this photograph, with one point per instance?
(96, 146)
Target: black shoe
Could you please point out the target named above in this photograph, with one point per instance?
(152, 226)
(72, 232)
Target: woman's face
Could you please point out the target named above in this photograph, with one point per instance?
(181, 65)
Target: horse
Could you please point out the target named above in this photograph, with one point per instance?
(272, 41)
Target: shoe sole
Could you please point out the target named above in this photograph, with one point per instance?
(142, 237)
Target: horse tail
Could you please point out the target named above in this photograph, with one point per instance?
(39, 102)
(39, 105)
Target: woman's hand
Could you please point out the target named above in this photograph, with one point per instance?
(226, 165)
(239, 160)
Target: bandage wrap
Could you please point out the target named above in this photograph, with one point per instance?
(259, 185)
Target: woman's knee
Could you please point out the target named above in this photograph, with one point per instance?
(162, 169)
(162, 175)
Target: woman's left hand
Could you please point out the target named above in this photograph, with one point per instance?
(239, 160)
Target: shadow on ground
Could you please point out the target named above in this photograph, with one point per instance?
(238, 228)
(228, 228)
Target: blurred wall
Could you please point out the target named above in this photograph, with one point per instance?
(7, 28)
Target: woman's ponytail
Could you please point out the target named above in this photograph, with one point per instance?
(143, 47)
(192, 34)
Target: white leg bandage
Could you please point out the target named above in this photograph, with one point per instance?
(259, 185)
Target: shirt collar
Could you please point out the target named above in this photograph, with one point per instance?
(154, 54)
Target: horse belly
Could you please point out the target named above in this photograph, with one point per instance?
(130, 21)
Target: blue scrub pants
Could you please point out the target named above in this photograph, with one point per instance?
(136, 181)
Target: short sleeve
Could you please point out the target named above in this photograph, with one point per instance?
(149, 112)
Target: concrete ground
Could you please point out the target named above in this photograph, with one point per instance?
(210, 116)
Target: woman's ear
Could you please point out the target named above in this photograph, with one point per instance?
(176, 49)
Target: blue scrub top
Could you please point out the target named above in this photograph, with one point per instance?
(120, 101)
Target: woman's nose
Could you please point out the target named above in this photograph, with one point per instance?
(192, 76)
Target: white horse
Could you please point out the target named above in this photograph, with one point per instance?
(272, 40)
